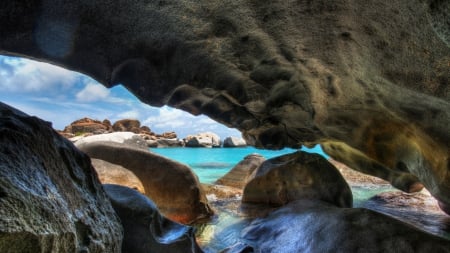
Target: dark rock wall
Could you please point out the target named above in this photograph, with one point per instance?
(50, 197)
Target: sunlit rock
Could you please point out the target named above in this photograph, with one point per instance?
(127, 125)
(295, 176)
(173, 187)
(128, 138)
(232, 142)
(50, 197)
(86, 126)
(145, 229)
(109, 173)
(240, 174)
(203, 140)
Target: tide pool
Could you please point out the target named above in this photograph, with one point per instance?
(211, 163)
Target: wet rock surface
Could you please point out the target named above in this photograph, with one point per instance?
(145, 229)
(171, 185)
(50, 197)
(315, 226)
(299, 175)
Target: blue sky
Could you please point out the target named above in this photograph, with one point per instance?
(62, 96)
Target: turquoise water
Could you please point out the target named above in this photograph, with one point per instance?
(211, 163)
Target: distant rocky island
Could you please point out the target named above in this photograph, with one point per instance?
(85, 127)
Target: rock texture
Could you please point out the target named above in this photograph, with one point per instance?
(171, 185)
(109, 173)
(316, 227)
(127, 125)
(129, 138)
(285, 73)
(240, 174)
(231, 142)
(295, 176)
(145, 230)
(50, 197)
(203, 140)
(86, 125)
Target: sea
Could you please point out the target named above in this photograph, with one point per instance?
(224, 230)
(212, 163)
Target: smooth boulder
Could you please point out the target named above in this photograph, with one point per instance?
(145, 229)
(203, 140)
(317, 227)
(240, 174)
(234, 142)
(129, 138)
(294, 176)
(171, 185)
(109, 173)
(50, 197)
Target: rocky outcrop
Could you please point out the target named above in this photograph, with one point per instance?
(86, 125)
(50, 197)
(119, 137)
(127, 125)
(145, 230)
(203, 140)
(232, 142)
(299, 175)
(240, 174)
(165, 143)
(317, 227)
(109, 173)
(171, 185)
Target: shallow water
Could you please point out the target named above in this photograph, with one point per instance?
(211, 163)
(224, 230)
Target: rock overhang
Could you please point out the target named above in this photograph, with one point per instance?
(368, 80)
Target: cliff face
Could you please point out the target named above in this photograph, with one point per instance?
(367, 79)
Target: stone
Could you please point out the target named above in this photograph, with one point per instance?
(315, 226)
(294, 176)
(328, 72)
(169, 135)
(203, 140)
(215, 192)
(129, 138)
(145, 229)
(85, 125)
(165, 143)
(50, 197)
(109, 173)
(240, 174)
(232, 142)
(127, 125)
(173, 187)
(145, 129)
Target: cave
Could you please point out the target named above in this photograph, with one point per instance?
(368, 81)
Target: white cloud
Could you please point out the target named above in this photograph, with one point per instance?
(132, 114)
(169, 119)
(24, 75)
(92, 92)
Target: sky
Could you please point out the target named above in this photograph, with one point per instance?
(61, 96)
